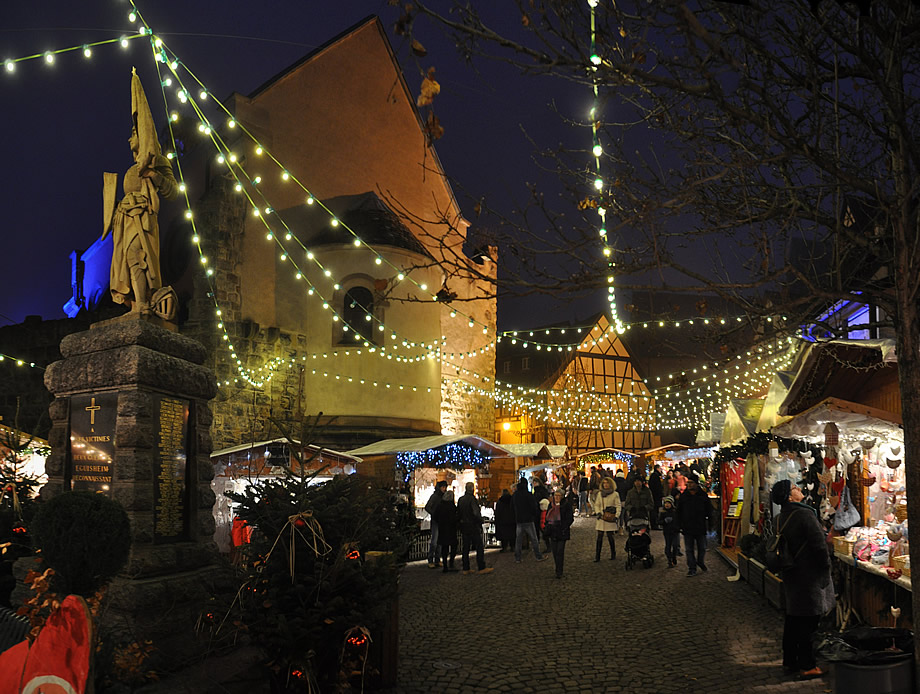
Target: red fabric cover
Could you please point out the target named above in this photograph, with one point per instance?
(59, 660)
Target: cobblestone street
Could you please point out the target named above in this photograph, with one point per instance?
(599, 629)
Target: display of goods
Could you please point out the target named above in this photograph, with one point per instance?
(844, 546)
(902, 563)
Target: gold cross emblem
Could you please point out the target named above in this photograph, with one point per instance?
(91, 408)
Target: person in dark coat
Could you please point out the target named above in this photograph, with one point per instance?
(541, 494)
(582, 483)
(808, 586)
(667, 519)
(430, 507)
(694, 512)
(526, 516)
(639, 500)
(622, 489)
(504, 521)
(469, 517)
(559, 519)
(594, 482)
(655, 487)
(445, 515)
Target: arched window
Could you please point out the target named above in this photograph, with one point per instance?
(358, 316)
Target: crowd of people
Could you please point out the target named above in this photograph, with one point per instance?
(541, 518)
(676, 502)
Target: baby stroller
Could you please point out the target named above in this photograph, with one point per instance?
(638, 541)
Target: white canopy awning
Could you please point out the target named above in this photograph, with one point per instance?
(260, 444)
(529, 450)
(854, 421)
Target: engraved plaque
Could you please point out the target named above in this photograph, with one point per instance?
(170, 438)
(92, 442)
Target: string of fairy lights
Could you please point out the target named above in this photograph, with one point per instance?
(569, 406)
(748, 375)
(19, 362)
(597, 150)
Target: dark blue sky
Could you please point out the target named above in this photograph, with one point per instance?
(66, 123)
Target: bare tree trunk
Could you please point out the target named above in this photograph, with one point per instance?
(909, 382)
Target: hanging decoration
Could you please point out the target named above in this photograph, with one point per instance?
(592, 458)
(456, 456)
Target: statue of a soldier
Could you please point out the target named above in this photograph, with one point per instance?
(135, 278)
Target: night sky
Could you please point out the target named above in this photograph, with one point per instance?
(66, 123)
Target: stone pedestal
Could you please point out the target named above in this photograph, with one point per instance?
(130, 419)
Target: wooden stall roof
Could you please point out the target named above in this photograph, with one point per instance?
(838, 369)
(425, 443)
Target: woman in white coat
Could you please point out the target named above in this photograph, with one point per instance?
(606, 501)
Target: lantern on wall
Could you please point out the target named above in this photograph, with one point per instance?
(831, 434)
(773, 449)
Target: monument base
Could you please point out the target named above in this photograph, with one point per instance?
(131, 420)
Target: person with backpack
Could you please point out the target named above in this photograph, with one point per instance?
(807, 582)
(434, 561)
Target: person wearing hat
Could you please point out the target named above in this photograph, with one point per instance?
(808, 585)
(667, 521)
(694, 513)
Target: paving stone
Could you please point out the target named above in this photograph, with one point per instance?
(600, 629)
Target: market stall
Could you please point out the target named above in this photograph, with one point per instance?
(864, 498)
(611, 459)
(417, 464)
(546, 462)
(237, 467)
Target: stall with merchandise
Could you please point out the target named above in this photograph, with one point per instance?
(417, 464)
(545, 461)
(238, 467)
(611, 459)
(863, 486)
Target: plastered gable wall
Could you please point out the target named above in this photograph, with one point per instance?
(344, 124)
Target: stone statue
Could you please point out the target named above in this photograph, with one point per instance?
(135, 278)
